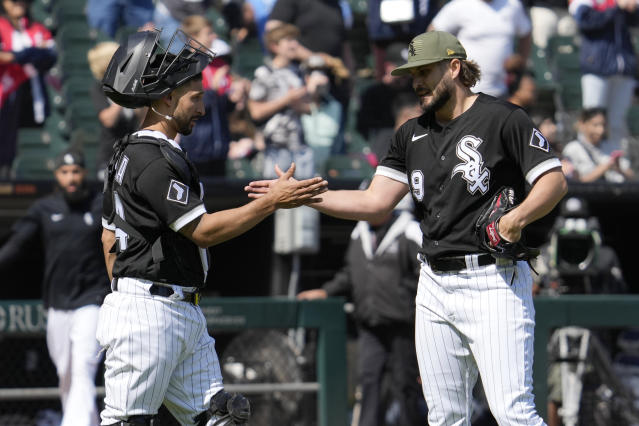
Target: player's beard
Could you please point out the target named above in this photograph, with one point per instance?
(185, 124)
(442, 93)
(78, 196)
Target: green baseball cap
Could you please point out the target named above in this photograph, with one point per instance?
(431, 47)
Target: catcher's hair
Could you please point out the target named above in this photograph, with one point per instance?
(589, 113)
(99, 57)
(193, 24)
(280, 32)
(469, 73)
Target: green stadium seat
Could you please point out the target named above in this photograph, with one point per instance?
(541, 69)
(31, 138)
(33, 162)
(563, 53)
(64, 15)
(40, 11)
(57, 127)
(633, 120)
(359, 7)
(77, 87)
(220, 26)
(247, 56)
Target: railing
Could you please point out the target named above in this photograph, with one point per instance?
(28, 317)
(577, 310)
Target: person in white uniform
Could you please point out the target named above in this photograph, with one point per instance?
(67, 224)
(474, 312)
(156, 232)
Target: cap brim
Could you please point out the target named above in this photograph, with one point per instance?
(405, 69)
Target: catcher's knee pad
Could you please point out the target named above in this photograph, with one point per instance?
(146, 420)
(232, 406)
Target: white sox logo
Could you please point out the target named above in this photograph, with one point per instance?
(178, 192)
(472, 168)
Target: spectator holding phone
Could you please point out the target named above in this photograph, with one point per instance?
(594, 157)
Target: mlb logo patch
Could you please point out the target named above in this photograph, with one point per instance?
(537, 140)
(178, 192)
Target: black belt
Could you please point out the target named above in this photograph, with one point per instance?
(457, 263)
(164, 291)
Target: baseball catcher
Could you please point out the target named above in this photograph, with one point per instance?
(156, 230)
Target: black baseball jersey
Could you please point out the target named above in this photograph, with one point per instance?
(452, 170)
(74, 273)
(150, 199)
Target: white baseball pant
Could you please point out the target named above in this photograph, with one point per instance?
(158, 350)
(73, 349)
(479, 320)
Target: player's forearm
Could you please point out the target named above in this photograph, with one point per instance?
(352, 205)
(215, 228)
(543, 197)
(372, 204)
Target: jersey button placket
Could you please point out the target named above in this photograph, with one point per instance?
(443, 157)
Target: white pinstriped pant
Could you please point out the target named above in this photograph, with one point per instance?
(474, 321)
(157, 351)
(74, 351)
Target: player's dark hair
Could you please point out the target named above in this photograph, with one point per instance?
(589, 113)
(469, 73)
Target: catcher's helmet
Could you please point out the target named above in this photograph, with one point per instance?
(141, 70)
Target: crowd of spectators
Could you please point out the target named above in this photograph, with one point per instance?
(308, 95)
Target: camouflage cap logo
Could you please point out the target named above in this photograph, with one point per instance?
(428, 48)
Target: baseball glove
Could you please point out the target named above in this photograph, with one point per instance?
(487, 229)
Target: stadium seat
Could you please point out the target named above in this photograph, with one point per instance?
(33, 162)
(563, 56)
(77, 87)
(633, 120)
(247, 56)
(31, 138)
(220, 27)
(541, 69)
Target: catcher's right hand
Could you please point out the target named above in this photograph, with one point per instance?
(487, 229)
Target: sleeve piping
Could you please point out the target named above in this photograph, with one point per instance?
(392, 174)
(107, 225)
(542, 168)
(188, 217)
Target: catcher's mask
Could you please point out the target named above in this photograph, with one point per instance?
(141, 70)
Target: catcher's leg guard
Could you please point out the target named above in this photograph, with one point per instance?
(230, 409)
